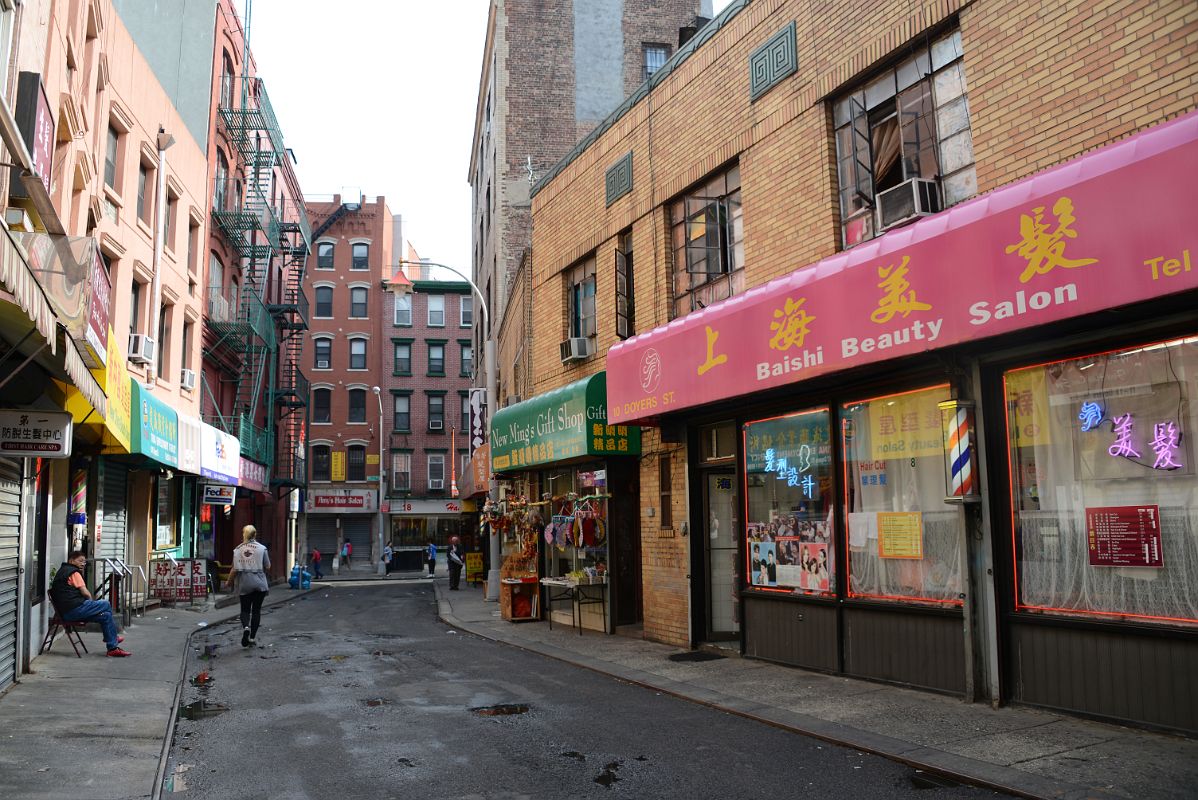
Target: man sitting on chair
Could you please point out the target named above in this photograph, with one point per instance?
(74, 602)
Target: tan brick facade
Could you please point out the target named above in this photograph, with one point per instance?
(1046, 82)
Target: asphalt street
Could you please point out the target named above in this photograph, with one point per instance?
(361, 692)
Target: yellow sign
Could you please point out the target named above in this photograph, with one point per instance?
(1027, 402)
(900, 534)
(372, 458)
(907, 425)
(474, 567)
(338, 465)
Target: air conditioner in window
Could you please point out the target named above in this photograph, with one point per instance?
(436, 483)
(436, 424)
(322, 364)
(575, 349)
(512, 399)
(141, 348)
(187, 379)
(908, 201)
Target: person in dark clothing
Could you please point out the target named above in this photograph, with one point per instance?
(430, 554)
(74, 603)
(456, 560)
(248, 576)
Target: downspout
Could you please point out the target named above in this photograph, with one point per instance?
(165, 140)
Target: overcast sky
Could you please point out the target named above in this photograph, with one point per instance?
(379, 97)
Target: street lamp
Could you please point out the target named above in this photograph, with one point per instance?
(401, 286)
(382, 567)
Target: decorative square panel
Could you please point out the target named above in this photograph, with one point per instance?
(619, 178)
(769, 64)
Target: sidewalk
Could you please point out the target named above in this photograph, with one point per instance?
(1023, 751)
(98, 727)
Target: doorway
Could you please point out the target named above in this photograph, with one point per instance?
(719, 544)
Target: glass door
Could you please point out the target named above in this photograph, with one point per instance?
(719, 536)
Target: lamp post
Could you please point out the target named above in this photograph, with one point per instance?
(401, 286)
(382, 567)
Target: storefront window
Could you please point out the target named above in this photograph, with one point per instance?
(578, 523)
(166, 529)
(1104, 491)
(904, 542)
(788, 504)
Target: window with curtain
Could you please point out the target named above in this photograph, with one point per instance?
(436, 310)
(403, 413)
(403, 358)
(357, 302)
(324, 255)
(323, 353)
(403, 311)
(360, 256)
(357, 354)
(401, 472)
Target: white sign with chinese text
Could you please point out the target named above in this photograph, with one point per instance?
(35, 434)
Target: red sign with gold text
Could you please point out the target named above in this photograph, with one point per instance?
(1107, 229)
(1124, 536)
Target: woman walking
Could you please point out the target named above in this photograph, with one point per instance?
(248, 577)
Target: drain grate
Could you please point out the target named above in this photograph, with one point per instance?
(695, 656)
(501, 710)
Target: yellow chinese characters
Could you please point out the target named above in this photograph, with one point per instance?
(712, 359)
(1043, 249)
(791, 325)
(899, 297)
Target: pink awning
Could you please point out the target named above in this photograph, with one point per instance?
(1110, 228)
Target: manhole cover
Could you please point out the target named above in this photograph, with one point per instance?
(695, 655)
(501, 710)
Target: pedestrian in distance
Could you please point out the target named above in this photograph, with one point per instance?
(456, 561)
(431, 555)
(74, 603)
(248, 579)
(388, 556)
(316, 557)
(347, 550)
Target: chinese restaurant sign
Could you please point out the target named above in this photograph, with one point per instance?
(157, 431)
(1124, 536)
(1108, 229)
(564, 423)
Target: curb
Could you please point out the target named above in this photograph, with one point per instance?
(168, 738)
(961, 769)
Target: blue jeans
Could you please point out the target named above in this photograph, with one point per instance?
(96, 611)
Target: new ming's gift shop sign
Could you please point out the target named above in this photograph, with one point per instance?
(1108, 229)
(569, 422)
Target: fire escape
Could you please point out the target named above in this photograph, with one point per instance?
(254, 225)
(290, 393)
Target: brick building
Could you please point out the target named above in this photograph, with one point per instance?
(344, 357)
(884, 279)
(549, 76)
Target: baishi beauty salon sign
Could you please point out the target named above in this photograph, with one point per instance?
(1110, 228)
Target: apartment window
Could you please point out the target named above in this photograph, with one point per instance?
(322, 462)
(226, 81)
(324, 302)
(111, 152)
(466, 312)
(357, 302)
(193, 245)
(436, 412)
(136, 292)
(220, 184)
(465, 421)
(401, 472)
(324, 353)
(145, 192)
(463, 463)
(403, 311)
(322, 406)
(903, 142)
(665, 483)
(355, 467)
(164, 333)
(436, 311)
(436, 471)
(624, 296)
(357, 354)
(707, 240)
(360, 256)
(403, 358)
(172, 208)
(403, 413)
(467, 359)
(436, 359)
(188, 332)
(580, 286)
(324, 255)
(655, 58)
(357, 405)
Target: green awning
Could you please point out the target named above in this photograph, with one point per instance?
(569, 422)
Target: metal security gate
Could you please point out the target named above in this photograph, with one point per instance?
(322, 536)
(357, 533)
(10, 537)
(114, 520)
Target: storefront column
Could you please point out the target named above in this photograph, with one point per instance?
(982, 604)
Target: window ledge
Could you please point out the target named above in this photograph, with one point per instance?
(113, 196)
(144, 227)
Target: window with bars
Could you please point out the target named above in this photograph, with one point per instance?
(707, 243)
(355, 462)
(909, 124)
(322, 462)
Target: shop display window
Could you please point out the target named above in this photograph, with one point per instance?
(788, 504)
(1104, 493)
(576, 529)
(904, 541)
